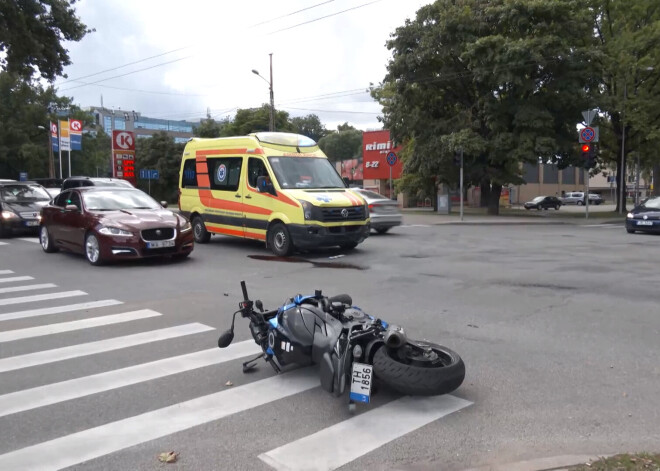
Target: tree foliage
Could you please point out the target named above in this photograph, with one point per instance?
(309, 126)
(32, 33)
(343, 144)
(249, 120)
(504, 80)
(161, 153)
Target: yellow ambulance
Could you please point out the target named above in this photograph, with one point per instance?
(270, 186)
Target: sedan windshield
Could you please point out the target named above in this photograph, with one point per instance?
(305, 172)
(11, 193)
(651, 203)
(116, 200)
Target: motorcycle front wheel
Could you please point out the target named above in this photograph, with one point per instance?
(438, 371)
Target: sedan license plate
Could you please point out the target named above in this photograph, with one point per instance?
(361, 379)
(31, 223)
(159, 244)
(644, 223)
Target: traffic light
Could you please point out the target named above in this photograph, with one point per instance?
(457, 158)
(589, 155)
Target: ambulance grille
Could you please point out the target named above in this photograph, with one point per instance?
(349, 213)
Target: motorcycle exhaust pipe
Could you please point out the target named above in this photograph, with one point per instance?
(395, 337)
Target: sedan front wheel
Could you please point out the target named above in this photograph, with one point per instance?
(93, 250)
(46, 240)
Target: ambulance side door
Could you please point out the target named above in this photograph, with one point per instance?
(258, 205)
(226, 212)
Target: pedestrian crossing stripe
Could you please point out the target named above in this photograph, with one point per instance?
(40, 297)
(15, 289)
(13, 279)
(58, 309)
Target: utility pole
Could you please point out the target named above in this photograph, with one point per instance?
(272, 97)
(461, 184)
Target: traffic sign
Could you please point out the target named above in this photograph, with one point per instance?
(391, 158)
(588, 134)
(147, 174)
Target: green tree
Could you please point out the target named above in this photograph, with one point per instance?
(252, 120)
(32, 33)
(24, 121)
(161, 153)
(503, 80)
(309, 126)
(343, 144)
(209, 128)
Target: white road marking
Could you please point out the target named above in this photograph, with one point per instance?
(40, 297)
(42, 330)
(15, 278)
(34, 240)
(329, 449)
(3, 243)
(88, 444)
(415, 225)
(58, 309)
(91, 348)
(66, 390)
(6, 272)
(14, 289)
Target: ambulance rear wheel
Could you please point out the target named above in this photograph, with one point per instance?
(202, 236)
(279, 240)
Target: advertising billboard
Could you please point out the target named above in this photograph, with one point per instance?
(376, 145)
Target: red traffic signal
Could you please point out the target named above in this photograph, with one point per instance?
(586, 148)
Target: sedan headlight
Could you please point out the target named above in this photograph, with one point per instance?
(307, 209)
(185, 227)
(630, 215)
(9, 215)
(114, 231)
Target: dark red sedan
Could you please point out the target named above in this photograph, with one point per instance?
(108, 224)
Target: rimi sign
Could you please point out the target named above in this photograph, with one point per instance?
(123, 155)
(376, 145)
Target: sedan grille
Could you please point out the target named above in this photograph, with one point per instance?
(164, 233)
(350, 213)
(29, 215)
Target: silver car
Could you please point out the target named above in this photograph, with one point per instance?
(384, 212)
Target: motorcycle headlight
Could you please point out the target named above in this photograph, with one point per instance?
(186, 227)
(114, 231)
(307, 209)
(9, 214)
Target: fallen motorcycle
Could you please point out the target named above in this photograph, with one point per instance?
(348, 345)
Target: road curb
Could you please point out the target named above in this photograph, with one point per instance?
(552, 463)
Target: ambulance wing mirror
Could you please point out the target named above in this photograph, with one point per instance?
(264, 185)
(346, 181)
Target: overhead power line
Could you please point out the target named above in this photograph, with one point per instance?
(329, 111)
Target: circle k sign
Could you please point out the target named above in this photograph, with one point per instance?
(76, 125)
(124, 140)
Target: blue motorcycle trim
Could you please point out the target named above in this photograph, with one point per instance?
(385, 324)
(359, 397)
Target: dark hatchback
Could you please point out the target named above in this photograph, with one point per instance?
(20, 207)
(544, 202)
(645, 217)
(107, 224)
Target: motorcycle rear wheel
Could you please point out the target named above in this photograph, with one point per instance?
(442, 373)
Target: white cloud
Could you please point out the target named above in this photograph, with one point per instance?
(220, 45)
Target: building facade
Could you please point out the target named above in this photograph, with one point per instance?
(142, 126)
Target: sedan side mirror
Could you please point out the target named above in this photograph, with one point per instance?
(163, 204)
(264, 185)
(71, 207)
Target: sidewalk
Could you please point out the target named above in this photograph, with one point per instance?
(426, 216)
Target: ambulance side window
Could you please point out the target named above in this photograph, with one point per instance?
(225, 172)
(256, 169)
(189, 174)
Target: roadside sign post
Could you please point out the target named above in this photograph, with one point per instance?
(461, 184)
(588, 135)
(149, 174)
(391, 160)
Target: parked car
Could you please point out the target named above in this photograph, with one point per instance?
(78, 182)
(20, 206)
(113, 223)
(577, 197)
(645, 217)
(383, 212)
(544, 202)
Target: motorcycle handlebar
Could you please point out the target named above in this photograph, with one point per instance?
(244, 288)
(341, 298)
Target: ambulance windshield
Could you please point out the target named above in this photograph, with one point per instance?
(305, 172)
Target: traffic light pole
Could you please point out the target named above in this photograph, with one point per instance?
(586, 204)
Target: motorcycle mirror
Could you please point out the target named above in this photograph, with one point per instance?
(226, 338)
(259, 305)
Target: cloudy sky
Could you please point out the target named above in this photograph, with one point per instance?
(176, 60)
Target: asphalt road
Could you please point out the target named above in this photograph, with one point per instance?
(558, 326)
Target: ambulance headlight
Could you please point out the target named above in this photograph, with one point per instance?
(307, 209)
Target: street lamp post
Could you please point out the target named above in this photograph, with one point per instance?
(51, 163)
(271, 124)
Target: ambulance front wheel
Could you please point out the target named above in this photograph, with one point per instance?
(202, 236)
(279, 240)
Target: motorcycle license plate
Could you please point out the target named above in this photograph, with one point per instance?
(361, 379)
